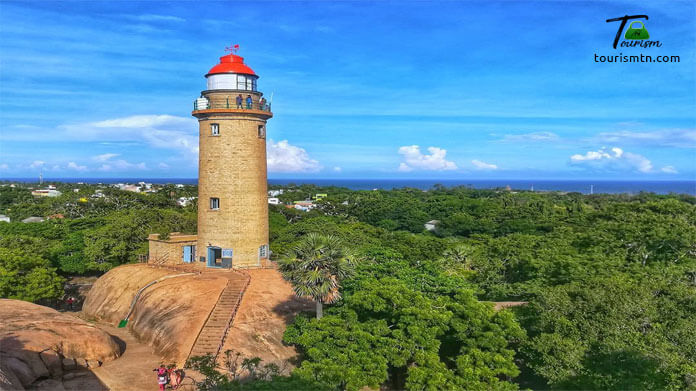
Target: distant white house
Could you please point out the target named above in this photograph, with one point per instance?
(46, 193)
(275, 193)
(34, 219)
(97, 194)
(274, 201)
(184, 201)
(179, 185)
(4, 218)
(432, 225)
(128, 187)
(304, 205)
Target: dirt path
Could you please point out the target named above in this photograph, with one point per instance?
(133, 370)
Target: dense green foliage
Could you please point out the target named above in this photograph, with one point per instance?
(27, 277)
(86, 234)
(610, 282)
(387, 331)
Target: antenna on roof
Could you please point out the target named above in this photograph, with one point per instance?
(232, 49)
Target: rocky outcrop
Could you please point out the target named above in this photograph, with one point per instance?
(168, 315)
(38, 342)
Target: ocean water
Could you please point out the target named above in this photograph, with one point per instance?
(580, 186)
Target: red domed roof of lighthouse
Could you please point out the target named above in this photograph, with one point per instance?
(231, 63)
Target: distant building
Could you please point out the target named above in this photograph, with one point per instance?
(275, 193)
(273, 201)
(128, 187)
(46, 193)
(304, 205)
(319, 196)
(432, 225)
(56, 216)
(185, 201)
(4, 218)
(76, 190)
(34, 219)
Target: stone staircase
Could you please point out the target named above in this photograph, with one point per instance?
(212, 335)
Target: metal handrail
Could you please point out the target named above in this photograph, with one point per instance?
(233, 105)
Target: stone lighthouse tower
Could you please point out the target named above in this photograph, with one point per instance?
(232, 198)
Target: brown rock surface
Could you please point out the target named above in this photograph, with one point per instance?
(28, 329)
(168, 314)
(268, 305)
(111, 295)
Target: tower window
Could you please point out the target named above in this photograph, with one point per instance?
(215, 129)
(263, 251)
(214, 203)
(262, 131)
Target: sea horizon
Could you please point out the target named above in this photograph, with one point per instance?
(584, 186)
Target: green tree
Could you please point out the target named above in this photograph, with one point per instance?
(386, 332)
(316, 266)
(28, 277)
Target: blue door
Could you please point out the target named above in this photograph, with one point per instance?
(214, 257)
(187, 254)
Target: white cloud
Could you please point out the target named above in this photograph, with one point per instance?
(158, 18)
(159, 131)
(669, 170)
(76, 167)
(37, 164)
(679, 138)
(104, 157)
(415, 160)
(4, 167)
(163, 166)
(121, 165)
(483, 165)
(337, 169)
(284, 157)
(531, 137)
(616, 159)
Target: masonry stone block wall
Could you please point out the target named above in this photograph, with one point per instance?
(232, 168)
(169, 251)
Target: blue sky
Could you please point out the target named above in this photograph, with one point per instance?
(360, 89)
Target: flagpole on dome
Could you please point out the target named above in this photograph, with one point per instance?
(233, 49)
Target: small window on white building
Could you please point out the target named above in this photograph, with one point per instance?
(262, 131)
(215, 129)
(263, 251)
(214, 203)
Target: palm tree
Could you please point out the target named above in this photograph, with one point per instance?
(315, 267)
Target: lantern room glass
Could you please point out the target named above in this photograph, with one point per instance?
(232, 81)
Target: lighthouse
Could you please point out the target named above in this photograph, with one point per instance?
(232, 198)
